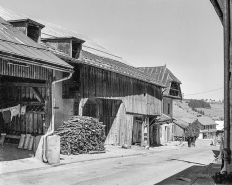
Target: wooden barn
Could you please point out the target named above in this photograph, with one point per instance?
(162, 128)
(122, 97)
(104, 86)
(26, 77)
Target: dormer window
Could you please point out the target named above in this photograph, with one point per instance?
(69, 45)
(174, 89)
(29, 27)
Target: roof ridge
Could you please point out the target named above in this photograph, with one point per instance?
(152, 67)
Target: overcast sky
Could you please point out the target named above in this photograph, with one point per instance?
(186, 35)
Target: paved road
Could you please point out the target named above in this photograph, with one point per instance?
(146, 169)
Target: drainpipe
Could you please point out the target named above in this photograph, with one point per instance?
(226, 24)
(52, 123)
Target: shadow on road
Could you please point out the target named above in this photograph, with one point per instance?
(186, 161)
(189, 176)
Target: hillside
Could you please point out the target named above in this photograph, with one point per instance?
(215, 111)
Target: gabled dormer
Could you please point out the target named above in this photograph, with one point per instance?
(163, 75)
(29, 27)
(71, 46)
(174, 90)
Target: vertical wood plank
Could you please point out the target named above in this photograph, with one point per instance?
(40, 124)
(35, 123)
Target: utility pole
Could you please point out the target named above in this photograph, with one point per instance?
(227, 35)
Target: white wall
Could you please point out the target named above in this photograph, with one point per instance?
(64, 107)
(220, 125)
(200, 136)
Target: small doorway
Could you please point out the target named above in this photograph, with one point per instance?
(137, 131)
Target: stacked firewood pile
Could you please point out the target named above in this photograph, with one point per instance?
(81, 134)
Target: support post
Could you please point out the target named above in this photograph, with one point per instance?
(148, 132)
(226, 24)
(48, 102)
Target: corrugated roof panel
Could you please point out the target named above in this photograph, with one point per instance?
(52, 30)
(161, 73)
(100, 56)
(13, 41)
(156, 73)
(10, 14)
(164, 80)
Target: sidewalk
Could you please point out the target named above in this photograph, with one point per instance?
(26, 164)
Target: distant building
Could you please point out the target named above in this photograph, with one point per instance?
(219, 127)
(208, 127)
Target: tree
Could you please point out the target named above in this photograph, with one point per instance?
(198, 104)
(192, 132)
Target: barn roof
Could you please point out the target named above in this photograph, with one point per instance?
(161, 73)
(204, 120)
(117, 67)
(52, 31)
(93, 54)
(15, 44)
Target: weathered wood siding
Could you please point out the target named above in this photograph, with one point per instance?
(97, 93)
(12, 94)
(113, 114)
(118, 127)
(31, 71)
(139, 97)
(167, 102)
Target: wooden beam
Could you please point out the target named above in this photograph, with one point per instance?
(37, 94)
(218, 8)
(22, 84)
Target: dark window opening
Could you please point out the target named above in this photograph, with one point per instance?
(174, 89)
(76, 49)
(168, 108)
(71, 87)
(33, 32)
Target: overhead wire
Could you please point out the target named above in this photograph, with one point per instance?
(205, 91)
